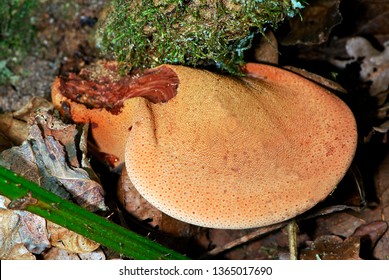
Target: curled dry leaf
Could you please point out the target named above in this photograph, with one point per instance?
(11, 246)
(49, 157)
(33, 232)
(374, 66)
(14, 126)
(135, 204)
(43, 158)
(12, 130)
(68, 240)
(371, 233)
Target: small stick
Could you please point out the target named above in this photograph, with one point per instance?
(292, 237)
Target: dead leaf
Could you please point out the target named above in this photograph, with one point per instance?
(267, 49)
(14, 125)
(332, 247)
(381, 250)
(371, 18)
(44, 160)
(374, 65)
(68, 240)
(13, 130)
(341, 224)
(315, 24)
(59, 254)
(11, 246)
(95, 255)
(372, 232)
(135, 204)
(33, 232)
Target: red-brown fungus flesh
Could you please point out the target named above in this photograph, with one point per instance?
(234, 153)
(99, 95)
(102, 86)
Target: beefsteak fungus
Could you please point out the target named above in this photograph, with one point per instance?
(213, 150)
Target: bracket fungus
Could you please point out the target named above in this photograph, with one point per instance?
(213, 150)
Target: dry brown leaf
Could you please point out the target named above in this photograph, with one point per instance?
(135, 204)
(14, 125)
(12, 129)
(341, 224)
(95, 255)
(372, 19)
(29, 234)
(315, 24)
(332, 247)
(59, 254)
(267, 49)
(11, 246)
(372, 232)
(33, 232)
(374, 65)
(68, 240)
(381, 250)
(44, 160)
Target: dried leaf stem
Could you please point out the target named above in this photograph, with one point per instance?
(26, 195)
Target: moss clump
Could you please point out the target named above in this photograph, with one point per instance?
(16, 34)
(147, 33)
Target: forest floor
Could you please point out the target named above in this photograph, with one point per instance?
(346, 41)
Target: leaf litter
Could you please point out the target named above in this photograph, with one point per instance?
(49, 157)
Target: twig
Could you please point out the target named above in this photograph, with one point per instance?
(292, 236)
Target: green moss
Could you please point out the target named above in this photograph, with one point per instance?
(146, 33)
(17, 32)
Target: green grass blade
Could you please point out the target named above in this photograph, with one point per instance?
(31, 197)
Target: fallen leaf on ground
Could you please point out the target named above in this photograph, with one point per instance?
(48, 157)
(319, 18)
(374, 63)
(381, 250)
(33, 232)
(44, 160)
(14, 125)
(68, 240)
(11, 245)
(332, 247)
